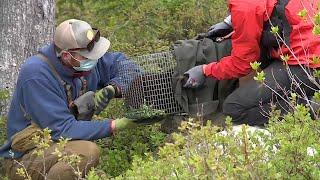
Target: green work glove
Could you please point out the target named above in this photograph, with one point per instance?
(124, 123)
(103, 97)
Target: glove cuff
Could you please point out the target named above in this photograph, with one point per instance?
(111, 91)
(116, 90)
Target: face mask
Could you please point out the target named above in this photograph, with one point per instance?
(85, 65)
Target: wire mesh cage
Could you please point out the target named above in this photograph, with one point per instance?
(148, 81)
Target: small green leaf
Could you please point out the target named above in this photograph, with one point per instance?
(294, 97)
(303, 13)
(316, 73)
(315, 59)
(317, 19)
(316, 30)
(285, 57)
(260, 77)
(274, 30)
(4, 94)
(316, 96)
(255, 65)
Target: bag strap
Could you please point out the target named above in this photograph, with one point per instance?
(27, 116)
(54, 70)
(83, 86)
(67, 87)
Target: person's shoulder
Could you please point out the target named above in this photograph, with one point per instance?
(32, 64)
(114, 55)
(33, 67)
(246, 5)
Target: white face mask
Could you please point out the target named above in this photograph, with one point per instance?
(85, 65)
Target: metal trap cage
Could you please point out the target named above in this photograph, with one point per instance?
(147, 81)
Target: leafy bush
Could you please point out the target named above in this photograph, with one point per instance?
(286, 148)
(140, 27)
(118, 151)
(115, 109)
(4, 95)
(3, 132)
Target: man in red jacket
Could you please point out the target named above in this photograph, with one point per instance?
(250, 103)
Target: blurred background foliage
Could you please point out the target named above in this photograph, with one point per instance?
(144, 26)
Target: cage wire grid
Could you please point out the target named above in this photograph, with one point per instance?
(147, 80)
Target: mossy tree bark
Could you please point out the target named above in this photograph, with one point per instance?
(25, 26)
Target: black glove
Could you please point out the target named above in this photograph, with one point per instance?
(195, 77)
(221, 29)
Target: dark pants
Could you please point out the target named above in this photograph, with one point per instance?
(250, 103)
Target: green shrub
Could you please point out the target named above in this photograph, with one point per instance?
(118, 151)
(3, 132)
(115, 109)
(145, 26)
(4, 95)
(288, 149)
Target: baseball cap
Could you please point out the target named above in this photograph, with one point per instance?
(76, 34)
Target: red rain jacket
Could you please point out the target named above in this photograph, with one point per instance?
(248, 17)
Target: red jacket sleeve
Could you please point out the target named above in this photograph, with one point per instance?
(248, 25)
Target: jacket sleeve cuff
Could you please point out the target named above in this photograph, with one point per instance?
(111, 126)
(207, 69)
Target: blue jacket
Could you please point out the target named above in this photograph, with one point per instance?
(44, 99)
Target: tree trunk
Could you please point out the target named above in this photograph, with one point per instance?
(25, 26)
